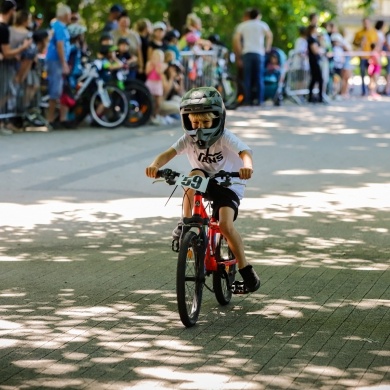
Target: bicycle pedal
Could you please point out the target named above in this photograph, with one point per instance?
(239, 288)
(175, 246)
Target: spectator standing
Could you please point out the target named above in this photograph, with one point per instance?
(374, 69)
(157, 41)
(144, 29)
(18, 33)
(363, 39)
(7, 59)
(37, 21)
(155, 67)
(112, 19)
(130, 62)
(134, 40)
(57, 65)
(76, 33)
(172, 39)
(315, 52)
(253, 39)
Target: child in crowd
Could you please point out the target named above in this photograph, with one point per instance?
(76, 32)
(155, 68)
(157, 39)
(172, 39)
(203, 117)
(374, 69)
(130, 61)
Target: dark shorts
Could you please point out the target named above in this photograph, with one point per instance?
(220, 197)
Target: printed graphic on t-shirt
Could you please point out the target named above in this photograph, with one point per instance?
(208, 158)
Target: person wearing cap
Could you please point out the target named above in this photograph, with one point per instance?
(157, 41)
(76, 33)
(37, 22)
(57, 64)
(133, 38)
(112, 18)
(172, 38)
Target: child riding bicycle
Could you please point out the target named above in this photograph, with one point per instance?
(211, 148)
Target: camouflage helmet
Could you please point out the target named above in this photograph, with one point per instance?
(203, 100)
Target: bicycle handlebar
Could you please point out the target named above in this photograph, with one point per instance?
(170, 176)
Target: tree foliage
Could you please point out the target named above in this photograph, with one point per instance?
(218, 16)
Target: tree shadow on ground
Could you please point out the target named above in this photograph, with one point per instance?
(91, 304)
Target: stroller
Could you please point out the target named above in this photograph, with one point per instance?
(274, 75)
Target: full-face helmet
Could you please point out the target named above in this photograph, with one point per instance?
(203, 100)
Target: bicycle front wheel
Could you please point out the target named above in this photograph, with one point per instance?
(222, 281)
(115, 114)
(190, 279)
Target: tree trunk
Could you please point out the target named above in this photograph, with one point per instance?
(179, 11)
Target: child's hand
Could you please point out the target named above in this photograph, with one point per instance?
(245, 173)
(151, 171)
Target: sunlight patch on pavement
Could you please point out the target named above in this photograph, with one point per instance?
(334, 200)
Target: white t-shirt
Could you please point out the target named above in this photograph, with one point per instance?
(253, 33)
(222, 155)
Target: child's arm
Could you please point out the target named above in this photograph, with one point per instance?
(160, 161)
(148, 67)
(247, 170)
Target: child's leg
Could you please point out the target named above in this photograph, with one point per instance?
(158, 100)
(226, 225)
(188, 198)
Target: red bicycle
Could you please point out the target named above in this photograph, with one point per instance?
(203, 251)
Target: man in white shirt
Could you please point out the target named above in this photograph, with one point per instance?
(252, 40)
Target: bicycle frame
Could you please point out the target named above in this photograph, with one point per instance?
(210, 261)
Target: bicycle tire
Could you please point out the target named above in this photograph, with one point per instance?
(231, 92)
(114, 115)
(140, 103)
(190, 279)
(220, 284)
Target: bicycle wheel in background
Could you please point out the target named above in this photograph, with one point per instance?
(140, 103)
(115, 114)
(190, 279)
(222, 280)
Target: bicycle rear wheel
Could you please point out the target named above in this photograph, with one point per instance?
(190, 279)
(115, 114)
(140, 103)
(222, 281)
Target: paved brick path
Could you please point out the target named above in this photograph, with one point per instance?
(87, 296)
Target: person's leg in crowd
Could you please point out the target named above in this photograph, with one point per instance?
(363, 70)
(261, 83)
(248, 67)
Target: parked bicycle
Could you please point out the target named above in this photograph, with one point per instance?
(203, 251)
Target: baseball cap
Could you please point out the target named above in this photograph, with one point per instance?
(116, 8)
(159, 25)
(191, 38)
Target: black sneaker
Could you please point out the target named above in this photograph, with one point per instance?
(177, 231)
(251, 280)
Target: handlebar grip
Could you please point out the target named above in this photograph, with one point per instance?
(234, 174)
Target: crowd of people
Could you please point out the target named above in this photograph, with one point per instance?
(151, 52)
(330, 54)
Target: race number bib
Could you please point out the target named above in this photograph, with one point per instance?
(197, 183)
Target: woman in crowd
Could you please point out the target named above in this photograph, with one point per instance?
(124, 31)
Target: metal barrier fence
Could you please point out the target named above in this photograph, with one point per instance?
(199, 68)
(297, 76)
(20, 100)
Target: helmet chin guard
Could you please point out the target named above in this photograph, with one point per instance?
(203, 100)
